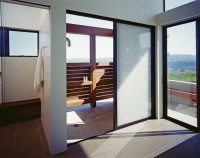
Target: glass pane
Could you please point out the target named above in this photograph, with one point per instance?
(23, 43)
(181, 73)
(104, 49)
(133, 73)
(170, 4)
(79, 51)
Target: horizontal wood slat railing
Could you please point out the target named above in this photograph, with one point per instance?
(81, 92)
(187, 95)
(104, 81)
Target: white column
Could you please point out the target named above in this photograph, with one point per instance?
(58, 127)
(159, 73)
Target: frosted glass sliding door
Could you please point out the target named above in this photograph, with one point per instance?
(133, 73)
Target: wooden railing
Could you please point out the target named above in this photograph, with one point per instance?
(182, 94)
(99, 85)
(104, 81)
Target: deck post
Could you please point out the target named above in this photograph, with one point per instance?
(92, 71)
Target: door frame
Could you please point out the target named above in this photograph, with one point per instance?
(164, 36)
(153, 71)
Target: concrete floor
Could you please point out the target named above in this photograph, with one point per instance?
(143, 140)
(84, 122)
(147, 139)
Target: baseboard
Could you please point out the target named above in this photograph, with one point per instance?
(19, 110)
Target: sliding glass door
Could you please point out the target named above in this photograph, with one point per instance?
(134, 77)
(180, 68)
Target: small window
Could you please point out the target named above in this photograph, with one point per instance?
(23, 43)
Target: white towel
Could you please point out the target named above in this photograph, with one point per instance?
(39, 73)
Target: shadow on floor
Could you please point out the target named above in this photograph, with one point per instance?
(186, 149)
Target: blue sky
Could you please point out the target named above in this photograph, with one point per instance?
(182, 39)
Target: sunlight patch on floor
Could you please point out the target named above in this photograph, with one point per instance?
(73, 119)
(73, 141)
(182, 117)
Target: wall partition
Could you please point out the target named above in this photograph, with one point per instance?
(1, 49)
(181, 70)
(134, 73)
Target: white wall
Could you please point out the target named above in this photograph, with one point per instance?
(19, 16)
(58, 79)
(141, 11)
(19, 72)
(57, 85)
(159, 73)
(185, 12)
(44, 40)
(18, 77)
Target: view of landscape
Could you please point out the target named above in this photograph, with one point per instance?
(181, 67)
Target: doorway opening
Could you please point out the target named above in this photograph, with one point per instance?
(89, 63)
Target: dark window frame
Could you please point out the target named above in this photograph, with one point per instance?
(197, 20)
(5, 52)
(153, 72)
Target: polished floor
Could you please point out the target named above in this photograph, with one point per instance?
(23, 140)
(147, 139)
(85, 122)
(143, 140)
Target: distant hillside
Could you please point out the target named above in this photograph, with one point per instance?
(182, 62)
(181, 68)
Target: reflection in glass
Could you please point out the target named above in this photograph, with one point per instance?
(181, 73)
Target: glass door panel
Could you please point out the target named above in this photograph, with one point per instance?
(133, 73)
(181, 73)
